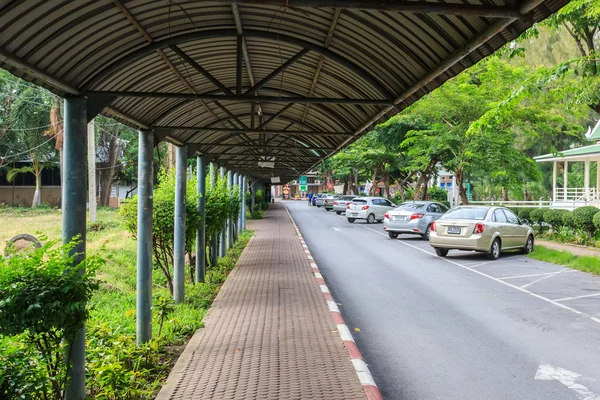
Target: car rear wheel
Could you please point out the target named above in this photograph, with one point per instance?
(426, 234)
(338, 212)
(528, 245)
(318, 206)
(328, 209)
(370, 219)
(351, 220)
(393, 235)
(441, 252)
(494, 253)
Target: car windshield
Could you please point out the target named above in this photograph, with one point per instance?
(414, 206)
(466, 213)
(359, 202)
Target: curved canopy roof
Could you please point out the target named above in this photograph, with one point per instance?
(250, 80)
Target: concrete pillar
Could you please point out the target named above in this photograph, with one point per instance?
(222, 242)
(235, 219)
(586, 179)
(144, 237)
(554, 173)
(230, 219)
(244, 189)
(241, 188)
(565, 179)
(74, 199)
(179, 234)
(201, 234)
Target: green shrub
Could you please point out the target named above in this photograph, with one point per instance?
(537, 215)
(437, 193)
(43, 298)
(583, 218)
(597, 221)
(446, 203)
(524, 214)
(554, 218)
(568, 220)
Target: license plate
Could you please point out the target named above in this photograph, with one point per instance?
(355, 214)
(399, 218)
(453, 230)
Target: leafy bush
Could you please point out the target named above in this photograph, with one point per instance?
(163, 227)
(597, 221)
(524, 214)
(568, 220)
(536, 215)
(43, 297)
(583, 218)
(436, 193)
(554, 218)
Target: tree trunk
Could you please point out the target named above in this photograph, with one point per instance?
(459, 173)
(356, 188)
(345, 189)
(504, 194)
(374, 184)
(386, 184)
(108, 171)
(170, 157)
(37, 195)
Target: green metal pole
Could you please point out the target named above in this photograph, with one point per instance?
(74, 198)
(223, 243)
(201, 234)
(179, 234)
(244, 183)
(234, 218)
(215, 239)
(239, 218)
(144, 237)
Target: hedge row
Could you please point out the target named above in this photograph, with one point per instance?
(586, 218)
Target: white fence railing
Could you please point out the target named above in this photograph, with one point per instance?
(577, 194)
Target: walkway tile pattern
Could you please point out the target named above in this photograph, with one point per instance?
(269, 334)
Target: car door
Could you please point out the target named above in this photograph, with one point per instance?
(502, 227)
(518, 231)
(374, 208)
(385, 206)
(432, 212)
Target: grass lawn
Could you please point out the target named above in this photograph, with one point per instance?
(581, 263)
(113, 359)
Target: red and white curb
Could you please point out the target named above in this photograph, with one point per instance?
(362, 370)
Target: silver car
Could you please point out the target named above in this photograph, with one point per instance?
(485, 229)
(341, 203)
(370, 209)
(328, 201)
(321, 199)
(413, 217)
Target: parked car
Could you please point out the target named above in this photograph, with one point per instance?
(370, 209)
(478, 228)
(413, 217)
(341, 203)
(315, 197)
(328, 201)
(321, 199)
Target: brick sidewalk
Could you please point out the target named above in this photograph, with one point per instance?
(269, 333)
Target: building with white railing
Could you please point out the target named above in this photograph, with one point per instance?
(573, 197)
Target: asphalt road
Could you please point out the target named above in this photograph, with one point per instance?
(462, 327)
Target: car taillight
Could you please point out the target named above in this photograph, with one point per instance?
(365, 207)
(386, 216)
(432, 227)
(416, 216)
(335, 203)
(479, 228)
(348, 203)
(348, 206)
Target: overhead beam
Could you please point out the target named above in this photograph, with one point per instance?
(243, 99)
(274, 117)
(260, 157)
(276, 72)
(201, 70)
(393, 5)
(271, 132)
(254, 146)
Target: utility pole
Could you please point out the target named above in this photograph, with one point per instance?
(91, 143)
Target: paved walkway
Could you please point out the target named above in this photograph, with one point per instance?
(269, 333)
(571, 248)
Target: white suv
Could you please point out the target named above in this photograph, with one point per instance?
(370, 209)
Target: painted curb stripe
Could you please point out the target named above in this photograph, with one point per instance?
(345, 333)
(319, 276)
(333, 307)
(324, 289)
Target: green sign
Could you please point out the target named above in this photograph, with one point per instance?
(303, 188)
(303, 180)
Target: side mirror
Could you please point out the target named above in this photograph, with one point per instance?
(393, 205)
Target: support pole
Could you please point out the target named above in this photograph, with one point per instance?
(554, 174)
(215, 239)
(144, 237)
(201, 234)
(222, 243)
(74, 198)
(244, 188)
(241, 188)
(234, 219)
(179, 234)
(91, 143)
(586, 179)
(565, 179)
(230, 219)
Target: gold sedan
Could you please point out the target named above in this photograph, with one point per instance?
(477, 228)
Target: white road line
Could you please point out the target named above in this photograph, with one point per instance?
(526, 276)
(578, 297)
(544, 278)
(479, 265)
(564, 307)
(547, 372)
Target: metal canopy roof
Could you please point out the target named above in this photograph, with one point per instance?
(248, 79)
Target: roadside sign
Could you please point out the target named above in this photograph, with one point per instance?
(303, 188)
(303, 181)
